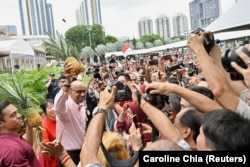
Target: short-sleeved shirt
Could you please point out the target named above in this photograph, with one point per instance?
(15, 151)
(244, 94)
(243, 109)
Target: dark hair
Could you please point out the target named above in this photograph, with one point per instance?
(202, 90)
(61, 77)
(174, 102)
(3, 105)
(126, 75)
(44, 105)
(192, 119)
(226, 130)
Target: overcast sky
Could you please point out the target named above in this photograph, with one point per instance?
(119, 17)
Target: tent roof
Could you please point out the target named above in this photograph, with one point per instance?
(236, 18)
(220, 35)
(17, 47)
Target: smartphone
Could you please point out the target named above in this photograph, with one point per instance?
(153, 62)
(141, 60)
(167, 57)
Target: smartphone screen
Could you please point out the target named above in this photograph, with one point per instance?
(153, 62)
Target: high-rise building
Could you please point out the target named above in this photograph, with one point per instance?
(203, 12)
(145, 26)
(89, 13)
(36, 17)
(180, 24)
(162, 24)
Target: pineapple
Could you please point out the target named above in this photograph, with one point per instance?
(14, 92)
(33, 117)
(77, 66)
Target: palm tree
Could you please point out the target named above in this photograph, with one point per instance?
(60, 48)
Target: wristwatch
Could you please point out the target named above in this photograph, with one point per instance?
(65, 85)
(99, 110)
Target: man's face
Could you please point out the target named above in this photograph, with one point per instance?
(61, 82)
(52, 77)
(133, 79)
(77, 92)
(201, 142)
(122, 79)
(177, 123)
(12, 120)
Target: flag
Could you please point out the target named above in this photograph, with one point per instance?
(126, 50)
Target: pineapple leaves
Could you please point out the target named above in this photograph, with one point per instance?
(25, 89)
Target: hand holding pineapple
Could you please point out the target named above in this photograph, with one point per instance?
(73, 67)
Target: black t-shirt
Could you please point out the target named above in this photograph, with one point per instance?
(51, 88)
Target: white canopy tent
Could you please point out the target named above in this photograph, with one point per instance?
(235, 19)
(11, 49)
(223, 36)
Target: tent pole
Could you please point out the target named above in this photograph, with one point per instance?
(11, 63)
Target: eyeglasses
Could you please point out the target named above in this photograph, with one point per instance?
(79, 91)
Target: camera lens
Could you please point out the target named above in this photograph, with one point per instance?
(230, 55)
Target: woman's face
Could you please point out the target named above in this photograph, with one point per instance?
(50, 111)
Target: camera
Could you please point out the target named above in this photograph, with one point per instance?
(208, 39)
(123, 93)
(141, 60)
(112, 63)
(156, 100)
(175, 66)
(153, 62)
(228, 56)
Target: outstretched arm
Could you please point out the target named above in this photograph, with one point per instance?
(215, 78)
(94, 133)
(199, 101)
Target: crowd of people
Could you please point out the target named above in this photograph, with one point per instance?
(189, 102)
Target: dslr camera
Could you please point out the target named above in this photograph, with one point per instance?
(175, 66)
(156, 100)
(208, 40)
(123, 93)
(230, 55)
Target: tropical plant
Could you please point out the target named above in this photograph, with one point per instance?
(83, 35)
(20, 91)
(149, 45)
(110, 47)
(139, 45)
(101, 50)
(60, 48)
(158, 42)
(119, 45)
(57, 47)
(150, 38)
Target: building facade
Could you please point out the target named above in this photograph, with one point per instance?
(36, 17)
(162, 24)
(203, 12)
(8, 29)
(180, 24)
(89, 13)
(145, 26)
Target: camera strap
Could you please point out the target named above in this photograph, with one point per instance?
(113, 162)
(139, 114)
